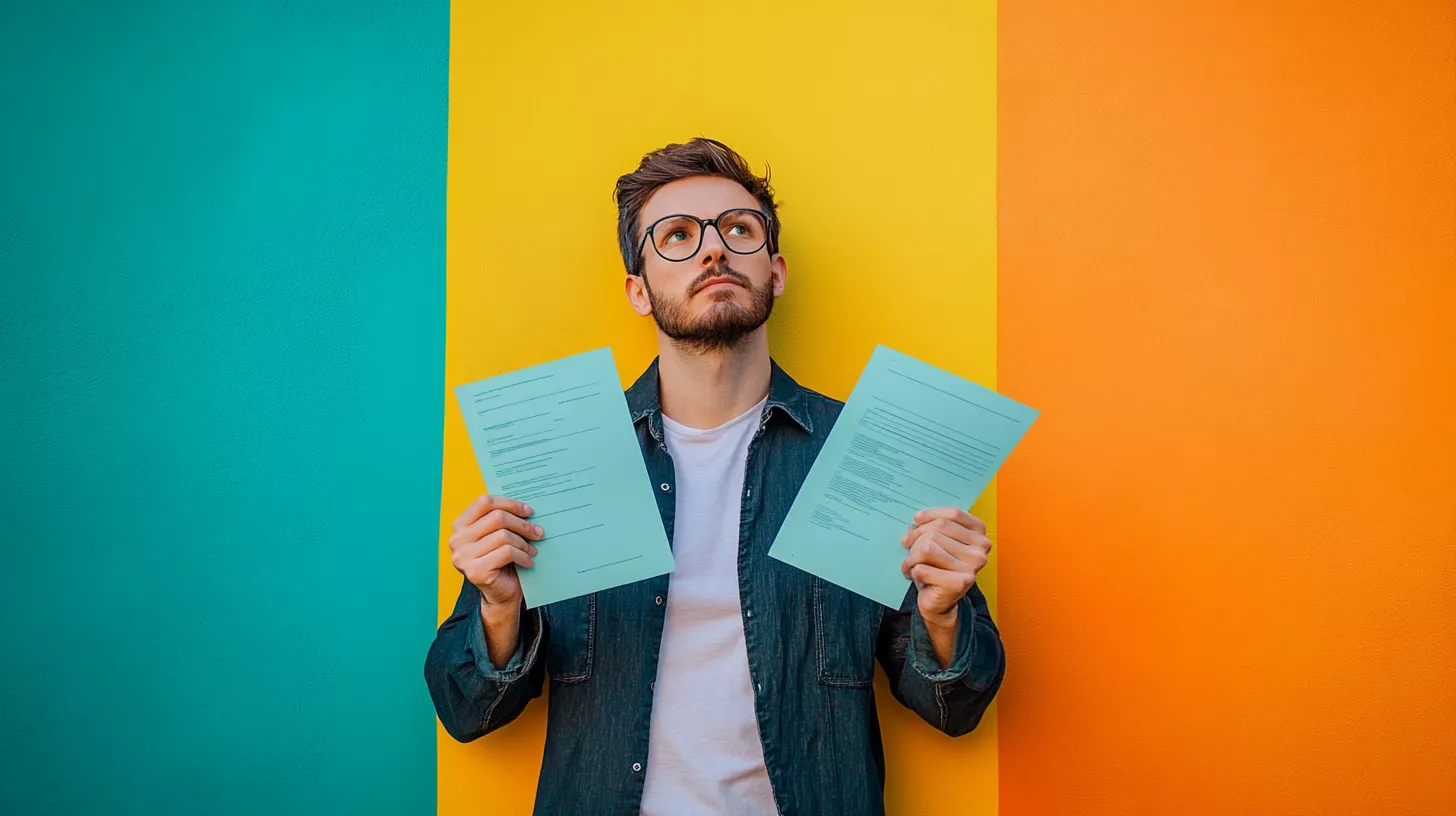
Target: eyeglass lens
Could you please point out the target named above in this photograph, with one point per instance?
(678, 237)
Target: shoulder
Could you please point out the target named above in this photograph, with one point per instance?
(822, 404)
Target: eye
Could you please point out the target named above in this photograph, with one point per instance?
(677, 235)
(738, 229)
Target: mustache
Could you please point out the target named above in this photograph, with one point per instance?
(720, 271)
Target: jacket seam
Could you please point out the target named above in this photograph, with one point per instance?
(940, 704)
(821, 649)
(591, 646)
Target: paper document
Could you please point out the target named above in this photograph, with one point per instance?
(910, 437)
(558, 437)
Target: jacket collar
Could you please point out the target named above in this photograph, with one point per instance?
(644, 400)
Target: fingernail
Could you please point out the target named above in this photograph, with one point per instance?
(536, 529)
(529, 511)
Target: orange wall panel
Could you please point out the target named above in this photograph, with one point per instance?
(1227, 278)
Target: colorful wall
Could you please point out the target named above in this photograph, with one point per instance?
(1214, 244)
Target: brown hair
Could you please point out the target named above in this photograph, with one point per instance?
(699, 157)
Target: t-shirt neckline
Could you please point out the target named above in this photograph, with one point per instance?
(675, 427)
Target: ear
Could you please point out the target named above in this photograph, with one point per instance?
(779, 272)
(636, 289)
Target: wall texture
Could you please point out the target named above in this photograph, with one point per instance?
(222, 250)
(1228, 280)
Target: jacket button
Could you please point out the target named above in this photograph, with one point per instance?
(658, 600)
(665, 487)
(636, 766)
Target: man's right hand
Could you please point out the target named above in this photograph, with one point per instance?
(491, 538)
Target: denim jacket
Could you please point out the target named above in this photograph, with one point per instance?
(812, 648)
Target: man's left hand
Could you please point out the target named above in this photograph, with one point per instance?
(948, 546)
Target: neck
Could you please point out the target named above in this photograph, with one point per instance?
(704, 389)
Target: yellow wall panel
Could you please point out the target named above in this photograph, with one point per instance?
(880, 123)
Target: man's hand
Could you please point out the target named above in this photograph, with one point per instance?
(948, 546)
(491, 538)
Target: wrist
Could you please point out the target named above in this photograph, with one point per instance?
(499, 613)
(942, 621)
(502, 624)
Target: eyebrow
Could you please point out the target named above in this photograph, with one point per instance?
(701, 217)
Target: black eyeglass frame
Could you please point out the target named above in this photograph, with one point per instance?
(703, 225)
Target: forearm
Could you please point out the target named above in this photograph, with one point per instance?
(502, 624)
(475, 692)
(947, 675)
(963, 700)
(942, 631)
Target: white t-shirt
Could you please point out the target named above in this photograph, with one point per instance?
(704, 754)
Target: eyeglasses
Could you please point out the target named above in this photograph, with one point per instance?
(679, 237)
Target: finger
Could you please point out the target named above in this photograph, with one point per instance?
(498, 558)
(487, 570)
(482, 570)
(952, 529)
(957, 583)
(502, 520)
(954, 514)
(496, 540)
(973, 556)
(913, 534)
(927, 550)
(486, 503)
(964, 545)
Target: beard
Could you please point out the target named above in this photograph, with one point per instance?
(726, 322)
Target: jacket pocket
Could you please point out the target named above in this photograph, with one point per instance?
(845, 628)
(571, 638)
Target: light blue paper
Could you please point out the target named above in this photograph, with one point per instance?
(910, 437)
(558, 437)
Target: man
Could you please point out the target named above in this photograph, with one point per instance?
(747, 687)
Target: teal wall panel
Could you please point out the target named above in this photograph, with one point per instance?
(222, 285)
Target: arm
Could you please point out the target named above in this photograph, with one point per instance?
(941, 649)
(472, 696)
(952, 697)
(484, 665)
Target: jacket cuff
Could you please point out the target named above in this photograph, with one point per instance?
(922, 650)
(528, 643)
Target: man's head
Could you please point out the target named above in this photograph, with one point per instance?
(699, 236)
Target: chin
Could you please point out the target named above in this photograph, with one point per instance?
(721, 304)
(729, 295)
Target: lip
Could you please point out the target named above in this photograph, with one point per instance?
(718, 281)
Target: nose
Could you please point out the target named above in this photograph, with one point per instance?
(712, 251)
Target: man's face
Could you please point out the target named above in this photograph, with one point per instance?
(716, 297)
